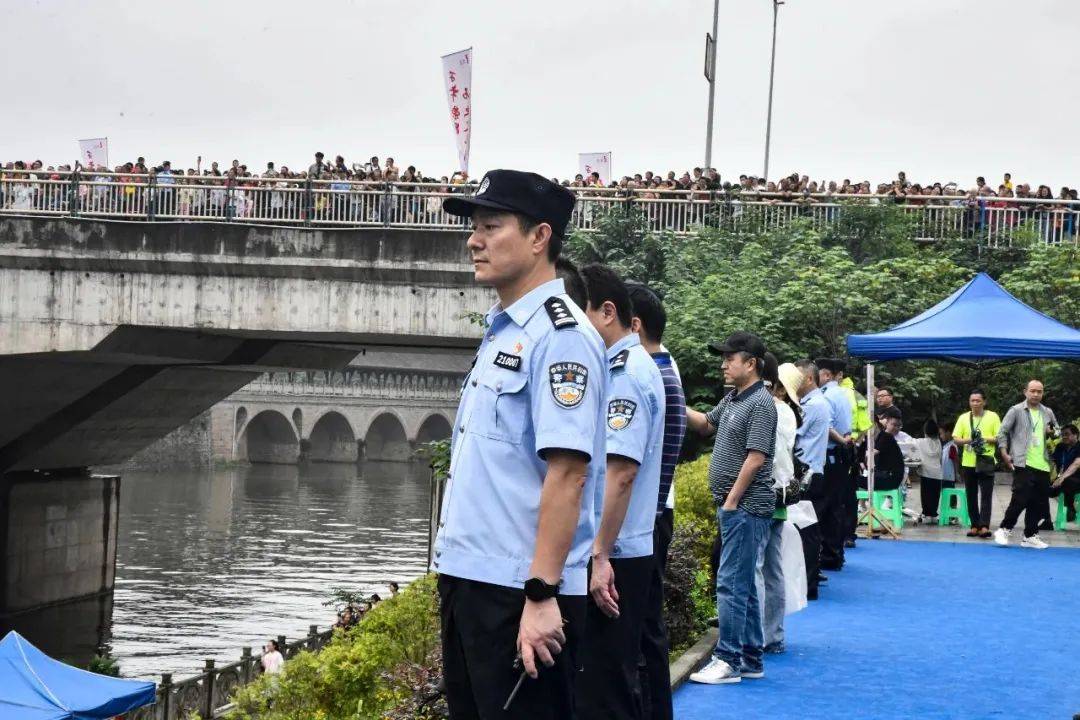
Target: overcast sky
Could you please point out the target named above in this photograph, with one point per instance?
(944, 89)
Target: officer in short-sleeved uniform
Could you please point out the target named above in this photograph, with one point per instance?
(635, 430)
(538, 383)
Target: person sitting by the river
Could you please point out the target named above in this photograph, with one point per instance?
(394, 588)
(345, 618)
(272, 659)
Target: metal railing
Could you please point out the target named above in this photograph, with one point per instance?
(210, 692)
(341, 203)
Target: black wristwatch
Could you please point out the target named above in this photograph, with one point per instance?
(537, 590)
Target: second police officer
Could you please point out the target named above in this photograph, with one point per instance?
(527, 455)
(622, 553)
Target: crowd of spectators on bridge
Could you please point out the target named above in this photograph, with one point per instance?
(380, 190)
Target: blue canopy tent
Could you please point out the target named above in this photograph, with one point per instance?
(33, 686)
(980, 324)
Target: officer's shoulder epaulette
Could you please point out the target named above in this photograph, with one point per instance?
(560, 315)
(619, 361)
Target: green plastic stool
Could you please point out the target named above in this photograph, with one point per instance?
(895, 514)
(1060, 521)
(945, 508)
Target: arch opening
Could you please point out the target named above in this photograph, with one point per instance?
(434, 427)
(270, 438)
(332, 440)
(386, 440)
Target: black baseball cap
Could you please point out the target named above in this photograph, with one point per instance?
(515, 191)
(741, 341)
(833, 365)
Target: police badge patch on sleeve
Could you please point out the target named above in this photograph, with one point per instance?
(568, 381)
(620, 413)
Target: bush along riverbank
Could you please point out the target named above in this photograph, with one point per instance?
(387, 667)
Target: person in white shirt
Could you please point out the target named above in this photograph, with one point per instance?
(272, 660)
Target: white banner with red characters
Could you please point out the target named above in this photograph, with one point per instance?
(94, 153)
(589, 163)
(457, 73)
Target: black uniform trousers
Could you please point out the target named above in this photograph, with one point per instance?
(607, 688)
(479, 640)
(831, 516)
(850, 499)
(811, 535)
(655, 677)
(1030, 490)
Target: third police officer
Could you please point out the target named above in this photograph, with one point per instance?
(622, 556)
(527, 454)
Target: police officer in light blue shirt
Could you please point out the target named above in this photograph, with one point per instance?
(526, 456)
(838, 460)
(622, 560)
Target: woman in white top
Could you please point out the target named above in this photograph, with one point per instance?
(272, 659)
(770, 573)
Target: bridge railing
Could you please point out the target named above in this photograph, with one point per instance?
(210, 692)
(341, 203)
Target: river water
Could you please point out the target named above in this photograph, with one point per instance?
(210, 562)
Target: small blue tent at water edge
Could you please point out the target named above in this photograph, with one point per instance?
(979, 324)
(33, 686)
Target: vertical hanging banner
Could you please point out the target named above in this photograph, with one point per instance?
(589, 163)
(94, 152)
(457, 74)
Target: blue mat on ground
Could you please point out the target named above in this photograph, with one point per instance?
(922, 630)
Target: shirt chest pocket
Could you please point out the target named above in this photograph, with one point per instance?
(506, 405)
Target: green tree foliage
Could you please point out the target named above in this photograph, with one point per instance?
(805, 288)
(363, 674)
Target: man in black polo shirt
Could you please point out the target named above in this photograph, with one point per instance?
(740, 478)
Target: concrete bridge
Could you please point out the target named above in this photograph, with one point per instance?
(113, 334)
(375, 409)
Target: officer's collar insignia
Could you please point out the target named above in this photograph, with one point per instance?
(508, 362)
(560, 315)
(619, 361)
(568, 381)
(620, 413)
(518, 347)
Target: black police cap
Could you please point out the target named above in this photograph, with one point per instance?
(515, 191)
(741, 341)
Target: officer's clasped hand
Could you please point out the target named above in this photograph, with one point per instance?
(540, 634)
(602, 587)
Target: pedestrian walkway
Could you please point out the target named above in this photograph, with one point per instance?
(922, 629)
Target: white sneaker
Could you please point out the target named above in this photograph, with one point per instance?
(717, 672)
(1001, 536)
(1034, 542)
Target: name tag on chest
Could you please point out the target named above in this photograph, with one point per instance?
(508, 362)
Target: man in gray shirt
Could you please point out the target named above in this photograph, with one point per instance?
(1022, 443)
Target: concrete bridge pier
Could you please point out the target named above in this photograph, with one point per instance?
(58, 532)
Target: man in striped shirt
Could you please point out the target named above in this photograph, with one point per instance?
(740, 478)
(649, 322)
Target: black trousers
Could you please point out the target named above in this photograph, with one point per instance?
(1030, 490)
(479, 641)
(850, 501)
(1069, 488)
(655, 677)
(930, 494)
(811, 536)
(980, 496)
(607, 688)
(831, 518)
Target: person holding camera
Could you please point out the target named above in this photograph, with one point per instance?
(1022, 440)
(976, 432)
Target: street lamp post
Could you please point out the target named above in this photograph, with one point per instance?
(711, 63)
(772, 70)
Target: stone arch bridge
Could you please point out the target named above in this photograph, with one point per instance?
(336, 416)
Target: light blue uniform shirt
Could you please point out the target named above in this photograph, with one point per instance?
(812, 437)
(635, 430)
(840, 408)
(539, 382)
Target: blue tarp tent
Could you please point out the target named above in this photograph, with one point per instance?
(979, 324)
(33, 686)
